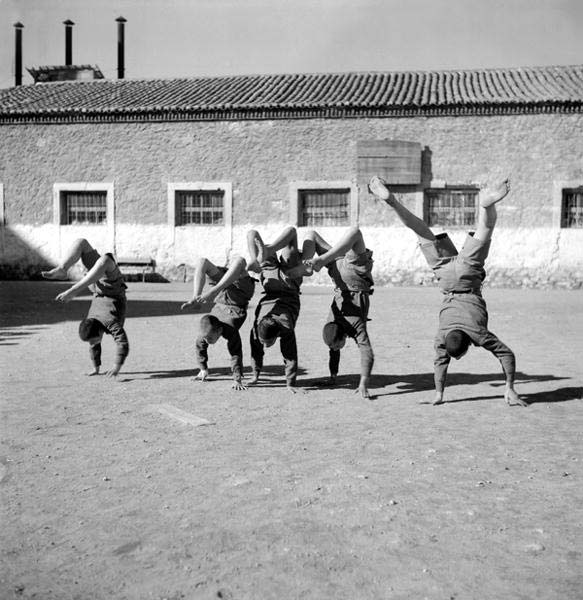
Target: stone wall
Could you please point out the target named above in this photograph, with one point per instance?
(260, 158)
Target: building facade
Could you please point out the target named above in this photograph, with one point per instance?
(176, 169)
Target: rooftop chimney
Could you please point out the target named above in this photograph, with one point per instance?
(120, 47)
(18, 27)
(68, 42)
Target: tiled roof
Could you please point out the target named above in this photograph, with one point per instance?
(490, 91)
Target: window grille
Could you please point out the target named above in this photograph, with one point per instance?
(200, 207)
(82, 208)
(451, 207)
(572, 208)
(322, 208)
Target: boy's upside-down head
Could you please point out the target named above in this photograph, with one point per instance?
(268, 330)
(91, 330)
(210, 328)
(334, 336)
(457, 343)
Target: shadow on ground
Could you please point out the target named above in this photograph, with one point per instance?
(217, 374)
(423, 382)
(27, 306)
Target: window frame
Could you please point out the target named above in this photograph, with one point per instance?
(294, 198)
(84, 186)
(450, 188)
(557, 207)
(202, 186)
(576, 190)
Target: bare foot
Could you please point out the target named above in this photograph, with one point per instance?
(491, 195)
(317, 264)
(56, 273)
(513, 398)
(378, 187)
(94, 372)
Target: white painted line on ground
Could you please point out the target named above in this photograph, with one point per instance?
(179, 415)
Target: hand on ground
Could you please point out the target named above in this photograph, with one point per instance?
(202, 375)
(238, 385)
(363, 391)
(112, 373)
(512, 398)
(94, 372)
(438, 399)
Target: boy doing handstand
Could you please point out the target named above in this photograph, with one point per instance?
(231, 290)
(463, 318)
(279, 307)
(349, 264)
(108, 306)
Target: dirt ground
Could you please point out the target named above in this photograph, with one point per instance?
(107, 494)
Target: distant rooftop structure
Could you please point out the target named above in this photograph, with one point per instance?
(65, 73)
(526, 90)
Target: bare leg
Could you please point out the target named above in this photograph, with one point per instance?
(78, 248)
(413, 222)
(259, 250)
(202, 268)
(320, 244)
(351, 240)
(302, 260)
(487, 210)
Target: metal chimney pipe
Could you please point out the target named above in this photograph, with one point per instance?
(68, 42)
(121, 47)
(18, 27)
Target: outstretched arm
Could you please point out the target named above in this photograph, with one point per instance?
(257, 353)
(508, 362)
(94, 274)
(122, 347)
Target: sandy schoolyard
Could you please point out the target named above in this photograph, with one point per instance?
(160, 487)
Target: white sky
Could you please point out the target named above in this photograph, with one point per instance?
(174, 38)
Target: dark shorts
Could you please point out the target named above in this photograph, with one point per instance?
(108, 310)
(230, 316)
(279, 311)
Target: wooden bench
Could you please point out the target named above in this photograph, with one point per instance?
(140, 264)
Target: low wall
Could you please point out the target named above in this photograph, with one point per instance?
(533, 257)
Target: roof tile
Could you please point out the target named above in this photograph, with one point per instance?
(262, 94)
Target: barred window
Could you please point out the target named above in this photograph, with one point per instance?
(451, 207)
(572, 208)
(200, 207)
(82, 208)
(322, 208)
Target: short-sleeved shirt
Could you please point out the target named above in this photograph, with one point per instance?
(111, 284)
(457, 272)
(237, 295)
